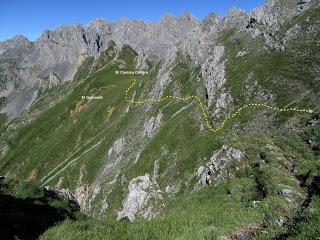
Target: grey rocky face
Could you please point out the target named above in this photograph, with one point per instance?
(141, 192)
(56, 55)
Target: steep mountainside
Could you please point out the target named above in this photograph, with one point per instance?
(208, 129)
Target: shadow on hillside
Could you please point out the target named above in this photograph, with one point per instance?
(27, 218)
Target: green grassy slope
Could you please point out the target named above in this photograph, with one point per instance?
(281, 150)
(226, 209)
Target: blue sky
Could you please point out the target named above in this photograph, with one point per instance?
(31, 17)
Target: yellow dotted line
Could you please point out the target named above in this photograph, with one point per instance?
(205, 112)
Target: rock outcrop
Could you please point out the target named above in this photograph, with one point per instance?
(142, 191)
(217, 166)
(62, 194)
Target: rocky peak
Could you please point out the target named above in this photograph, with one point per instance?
(212, 19)
(97, 22)
(235, 18)
(183, 21)
(63, 34)
(188, 17)
(275, 12)
(167, 18)
(17, 42)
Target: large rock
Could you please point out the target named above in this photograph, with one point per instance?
(138, 202)
(217, 167)
(213, 73)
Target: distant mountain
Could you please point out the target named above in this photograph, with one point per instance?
(208, 129)
(55, 57)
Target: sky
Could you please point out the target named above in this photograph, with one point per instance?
(31, 17)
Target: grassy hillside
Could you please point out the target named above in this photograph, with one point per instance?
(96, 147)
(242, 205)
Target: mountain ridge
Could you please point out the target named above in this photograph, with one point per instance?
(40, 67)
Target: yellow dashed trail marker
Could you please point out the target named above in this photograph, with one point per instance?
(205, 112)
